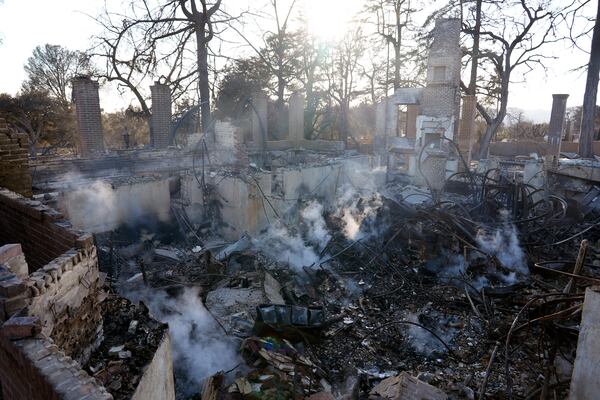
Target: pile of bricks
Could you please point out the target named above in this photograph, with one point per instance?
(14, 164)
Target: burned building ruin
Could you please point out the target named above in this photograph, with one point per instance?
(248, 266)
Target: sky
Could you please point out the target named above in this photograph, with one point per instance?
(70, 23)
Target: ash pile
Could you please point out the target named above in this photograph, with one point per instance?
(475, 291)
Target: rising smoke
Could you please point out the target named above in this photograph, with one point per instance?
(96, 206)
(502, 243)
(423, 341)
(200, 349)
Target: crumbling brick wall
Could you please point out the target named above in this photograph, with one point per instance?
(40, 230)
(14, 165)
(35, 369)
(64, 286)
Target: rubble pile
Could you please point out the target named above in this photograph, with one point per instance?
(471, 292)
(131, 337)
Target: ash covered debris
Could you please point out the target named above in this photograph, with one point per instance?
(460, 294)
(131, 338)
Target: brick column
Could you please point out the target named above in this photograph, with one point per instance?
(160, 123)
(89, 121)
(296, 119)
(259, 121)
(555, 130)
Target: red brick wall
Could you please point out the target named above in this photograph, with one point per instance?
(14, 164)
(20, 379)
(39, 229)
(35, 369)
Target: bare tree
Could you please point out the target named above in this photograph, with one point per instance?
(280, 50)
(472, 88)
(342, 76)
(512, 34)
(154, 40)
(392, 20)
(312, 65)
(51, 68)
(41, 116)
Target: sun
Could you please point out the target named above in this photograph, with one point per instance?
(328, 20)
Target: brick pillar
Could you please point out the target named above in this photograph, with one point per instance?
(412, 112)
(160, 123)
(555, 130)
(259, 121)
(296, 118)
(466, 135)
(14, 161)
(89, 121)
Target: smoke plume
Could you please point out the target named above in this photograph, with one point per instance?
(200, 349)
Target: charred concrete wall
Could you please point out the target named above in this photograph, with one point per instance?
(248, 205)
(98, 206)
(157, 382)
(52, 174)
(525, 148)
(14, 165)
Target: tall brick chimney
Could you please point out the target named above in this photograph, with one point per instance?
(89, 121)
(160, 126)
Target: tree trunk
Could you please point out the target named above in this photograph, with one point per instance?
(586, 149)
(494, 124)
(397, 48)
(203, 86)
(396, 66)
(472, 89)
(311, 107)
(344, 121)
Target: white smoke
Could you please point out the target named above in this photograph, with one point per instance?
(503, 243)
(96, 206)
(312, 215)
(457, 266)
(357, 220)
(422, 340)
(200, 349)
(280, 245)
